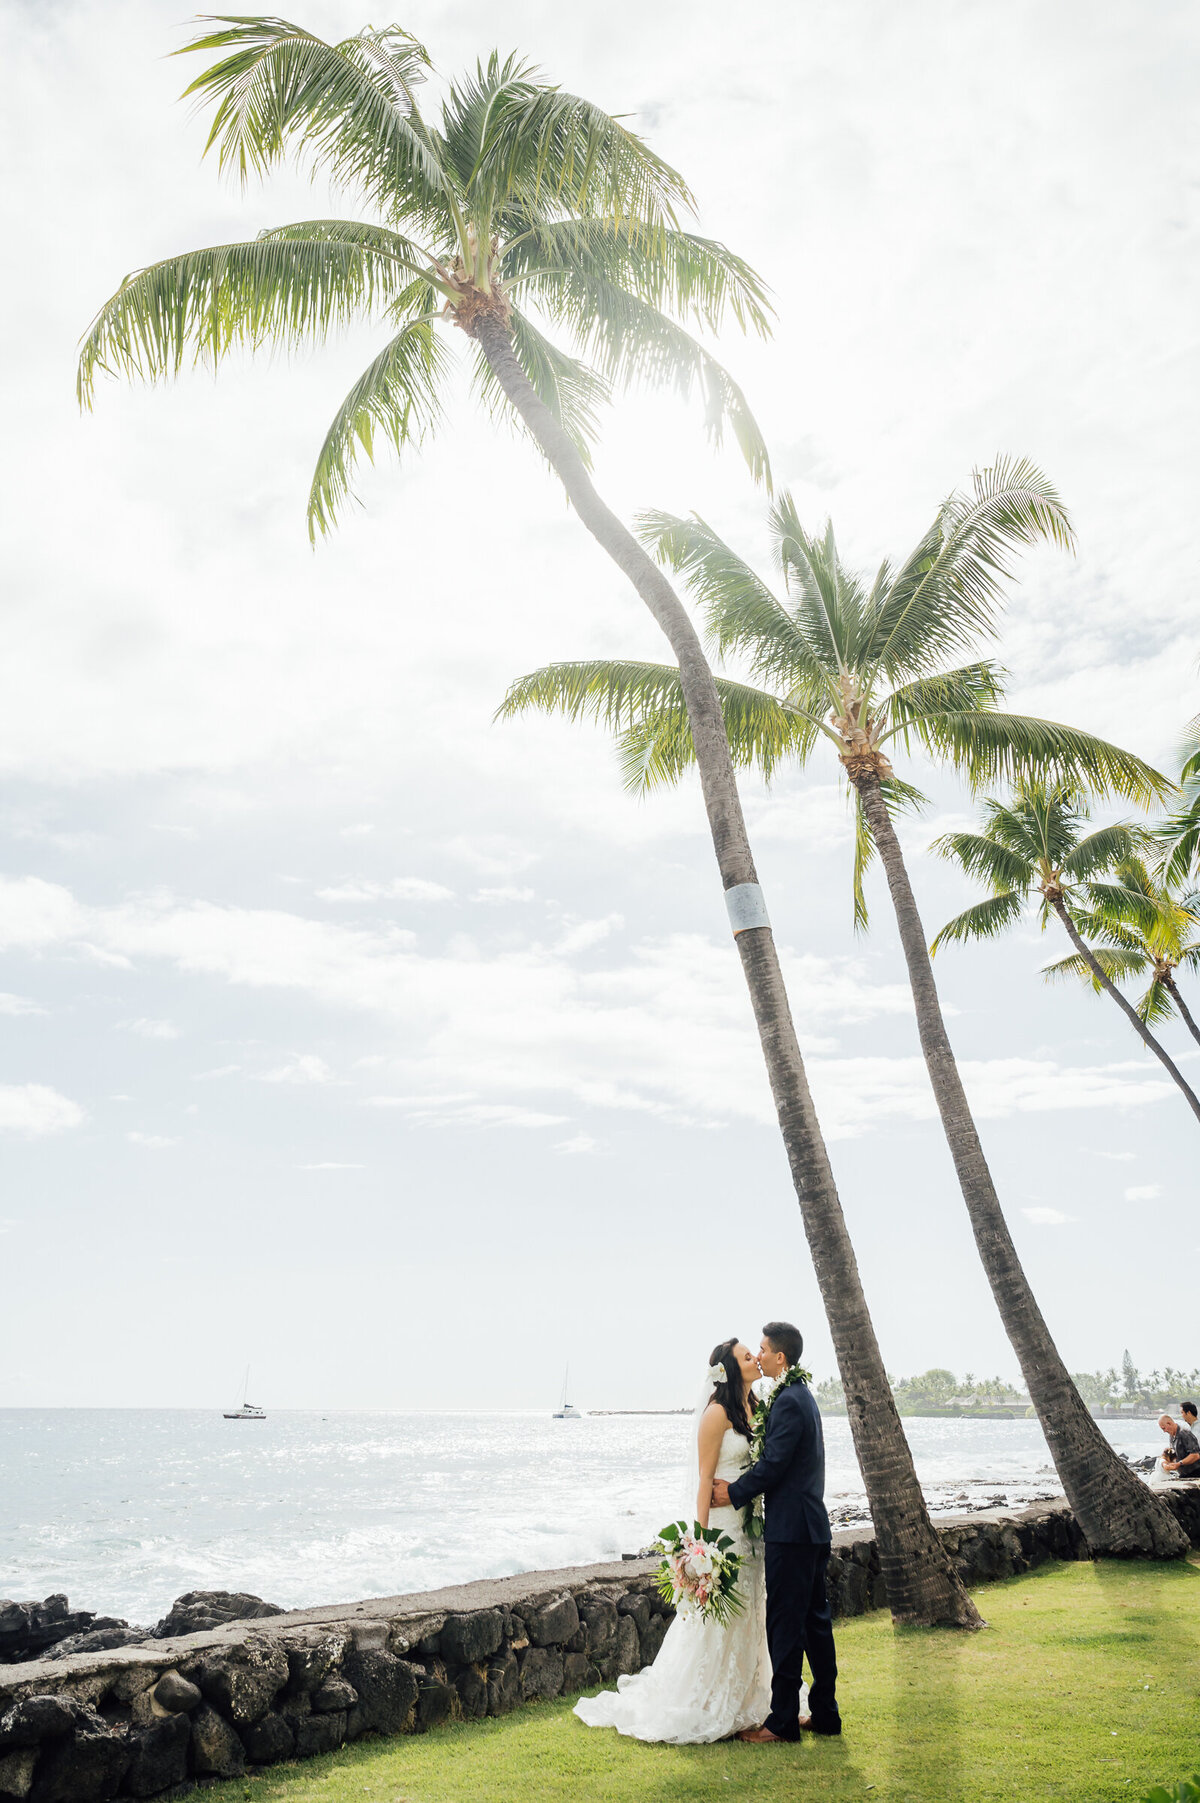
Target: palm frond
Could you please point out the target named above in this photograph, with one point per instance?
(643, 705)
(988, 747)
(692, 277)
(399, 395)
(830, 603)
(281, 290)
(1102, 849)
(629, 342)
(980, 855)
(1156, 1004)
(1116, 965)
(974, 688)
(985, 920)
(540, 142)
(740, 611)
(945, 594)
(350, 107)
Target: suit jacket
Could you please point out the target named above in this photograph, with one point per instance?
(790, 1476)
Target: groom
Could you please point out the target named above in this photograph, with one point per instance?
(791, 1478)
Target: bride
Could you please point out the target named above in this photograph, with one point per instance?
(708, 1680)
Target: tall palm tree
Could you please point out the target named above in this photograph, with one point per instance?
(1035, 844)
(1143, 929)
(520, 212)
(862, 666)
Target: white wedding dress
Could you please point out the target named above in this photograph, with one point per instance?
(707, 1681)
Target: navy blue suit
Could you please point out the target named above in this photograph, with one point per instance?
(790, 1477)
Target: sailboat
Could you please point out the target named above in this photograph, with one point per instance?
(249, 1411)
(566, 1411)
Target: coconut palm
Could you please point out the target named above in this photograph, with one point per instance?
(1035, 845)
(862, 665)
(518, 216)
(1178, 834)
(1140, 928)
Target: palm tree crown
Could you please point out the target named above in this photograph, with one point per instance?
(1033, 844)
(520, 204)
(861, 664)
(1140, 927)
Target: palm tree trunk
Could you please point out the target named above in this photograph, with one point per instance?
(1127, 1009)
(922, 1583)
(1116, 1511)
(1182, 1006)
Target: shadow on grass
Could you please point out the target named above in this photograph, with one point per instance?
(925, 1720)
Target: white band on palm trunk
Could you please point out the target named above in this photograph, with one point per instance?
(747, 907)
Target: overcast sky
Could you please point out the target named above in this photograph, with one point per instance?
(399, 1054)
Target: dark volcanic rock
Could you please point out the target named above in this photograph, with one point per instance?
(503, 1683)
(269, 1739)
(311, 1656)
(652, 1638)
(335, 1693)
(387, 1690)
(436, 1696)
(16, 1774)
(243, 1681)
(554, 1620)
(36, 1719)
(320, 1734)
(637, 1606)
(599, 1617)
(541, 1672)
(198, 1609)
(576, 1667)
(29, 1630)
(159, 1757)
(471, 1685)
(464, 1639)
(628, 1657)
(216, 1749)
(177, 1694)
(84, 1767)
(99, 1639)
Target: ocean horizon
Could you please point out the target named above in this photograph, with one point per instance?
(124, 1509)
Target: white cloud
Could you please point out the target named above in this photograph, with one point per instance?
(1048, 1217)
(1143, 1192)
(584, 934)
(220, 1070)
(580, 1145)
(329, 1165)
(34, 1109)
(506, 892)
(7, 1225)
(156, 1141)
(1116, 1157)
(151, 1029)
(662, 1028)
(18, 1004)
(403, 888)
(305, 1067)
(359, 830)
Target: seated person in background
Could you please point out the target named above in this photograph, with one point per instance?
(1182, 1457)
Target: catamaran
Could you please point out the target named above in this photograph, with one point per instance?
(249, 1411)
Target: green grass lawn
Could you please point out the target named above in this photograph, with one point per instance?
(1083, 1687)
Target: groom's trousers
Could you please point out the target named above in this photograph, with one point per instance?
(799, 1623)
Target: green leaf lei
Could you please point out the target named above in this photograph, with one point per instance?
(752, 1514)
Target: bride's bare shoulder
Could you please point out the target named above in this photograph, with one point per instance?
(713, 1422)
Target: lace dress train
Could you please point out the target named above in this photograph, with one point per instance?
(708, 1681)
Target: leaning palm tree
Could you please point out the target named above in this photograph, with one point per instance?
(862, 666)
(1035, 844)
(1142, 928)
(519, 216)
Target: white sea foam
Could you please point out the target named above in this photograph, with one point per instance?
(124, 1509)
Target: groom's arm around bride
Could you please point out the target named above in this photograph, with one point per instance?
(790, 1477)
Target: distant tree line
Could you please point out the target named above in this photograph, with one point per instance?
(940, 1392)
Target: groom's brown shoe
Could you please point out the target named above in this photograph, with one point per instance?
(759, 1736)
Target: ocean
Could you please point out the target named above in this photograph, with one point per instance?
(124, 1509)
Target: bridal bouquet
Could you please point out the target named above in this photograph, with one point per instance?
(699, 1571)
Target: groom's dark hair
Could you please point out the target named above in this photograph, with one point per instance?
(786, 1339)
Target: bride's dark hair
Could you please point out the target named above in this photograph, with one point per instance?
(731, 1395)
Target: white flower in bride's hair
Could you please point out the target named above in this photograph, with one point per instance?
(717, 1374)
